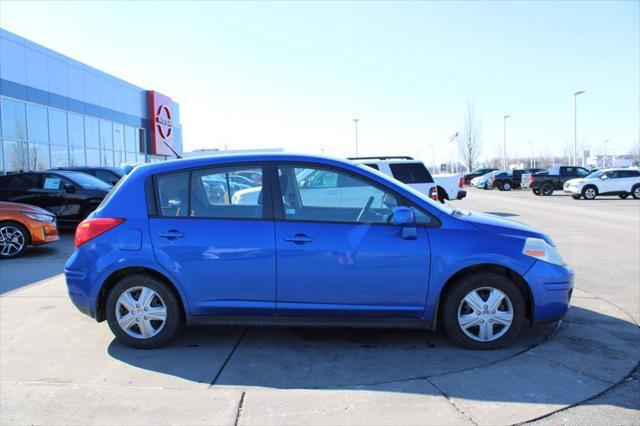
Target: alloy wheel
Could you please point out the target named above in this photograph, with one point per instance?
(12, 241)
(590, 193)
(485, 314)
(141, 312)
(636, 192)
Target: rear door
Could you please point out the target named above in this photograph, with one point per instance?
(222, 254)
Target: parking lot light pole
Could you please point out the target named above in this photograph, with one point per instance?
(433, 157)
(604, 156)
(575, 125)
(355, 121)
(531, 162)
(504, 141)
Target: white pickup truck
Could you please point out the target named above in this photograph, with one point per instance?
(414, 173)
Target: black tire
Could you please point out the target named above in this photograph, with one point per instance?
(442, 195)
(589, 192)
(535, 191)
(454, 299)
(546, 189)
(506, 186)
(624, 196)
(173, 320)
(19, 235)
(635, 192)
(576, 197)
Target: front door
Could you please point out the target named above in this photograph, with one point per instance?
(222, 254)
(338, 259)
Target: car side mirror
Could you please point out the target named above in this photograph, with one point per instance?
(69, 188)
(405, 217)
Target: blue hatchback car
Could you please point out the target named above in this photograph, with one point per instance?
(309, 241)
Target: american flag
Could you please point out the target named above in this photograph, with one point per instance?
(454, 137)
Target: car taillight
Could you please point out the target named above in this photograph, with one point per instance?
(91, 228)
(433, 194)
(461, 183)
(531, 179)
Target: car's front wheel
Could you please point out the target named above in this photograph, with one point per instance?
(484, 311)
(535, 191)
(506, 186)
(14, 239)
(635, 192)
(589, 192)
(143, 312)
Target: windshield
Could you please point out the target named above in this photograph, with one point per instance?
(436, 204)
(595, 174)
(87, 181)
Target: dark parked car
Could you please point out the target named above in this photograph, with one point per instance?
(506, 181)
(71, 196)
(475, 174)
(110, 175)
(554, 179)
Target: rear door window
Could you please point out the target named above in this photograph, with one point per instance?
(24, 182)
(411, 173)
(172, 190)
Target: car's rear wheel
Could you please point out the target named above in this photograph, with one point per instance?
(143, 312)
(535, 191)
(589, 192)
(484, 311)
(635, 192)
(546, 189)
(506, 186)
(14, 239)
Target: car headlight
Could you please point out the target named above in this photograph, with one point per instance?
(541, 250)
(40, 217)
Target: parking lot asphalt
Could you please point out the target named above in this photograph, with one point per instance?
(59, 367)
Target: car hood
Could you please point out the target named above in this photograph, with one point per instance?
(574, 181)
(496, 224)
(19, 207)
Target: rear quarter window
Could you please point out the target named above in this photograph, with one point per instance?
(411, 173)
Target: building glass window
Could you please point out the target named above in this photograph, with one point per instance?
(130, 139)
(37, 124)
(76, 130)
(38, 156)
(14, 121)
(91, 132)
(16, 156)
(59, 156)
(93, 157)
(58, 127)
(76, 156)
(118, 144)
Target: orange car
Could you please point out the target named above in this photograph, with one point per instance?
(22, 225)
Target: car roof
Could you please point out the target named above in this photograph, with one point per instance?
(204, 161)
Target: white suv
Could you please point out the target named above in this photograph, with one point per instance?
(414, 173)
(620, 182)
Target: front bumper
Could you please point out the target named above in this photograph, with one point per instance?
(461, 194)
(551, 288)
(573, 190)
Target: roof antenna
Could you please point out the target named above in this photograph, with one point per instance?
(172, 150)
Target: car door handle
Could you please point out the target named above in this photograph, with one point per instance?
(171, 234)
(299, 239)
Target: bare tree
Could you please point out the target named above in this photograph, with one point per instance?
(471, 137)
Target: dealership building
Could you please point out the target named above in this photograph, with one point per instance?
(57, 112)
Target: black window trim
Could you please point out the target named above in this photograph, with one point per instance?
(278, 207)
(153, 212)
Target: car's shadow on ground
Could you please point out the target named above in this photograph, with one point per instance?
(545, 361)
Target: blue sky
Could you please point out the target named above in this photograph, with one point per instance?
(295, 74)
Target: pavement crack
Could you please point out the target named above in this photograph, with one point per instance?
(239, 412)
(226, 361)
(453, 404)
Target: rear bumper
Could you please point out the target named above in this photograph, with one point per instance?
(551, 287)
(461, 194)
